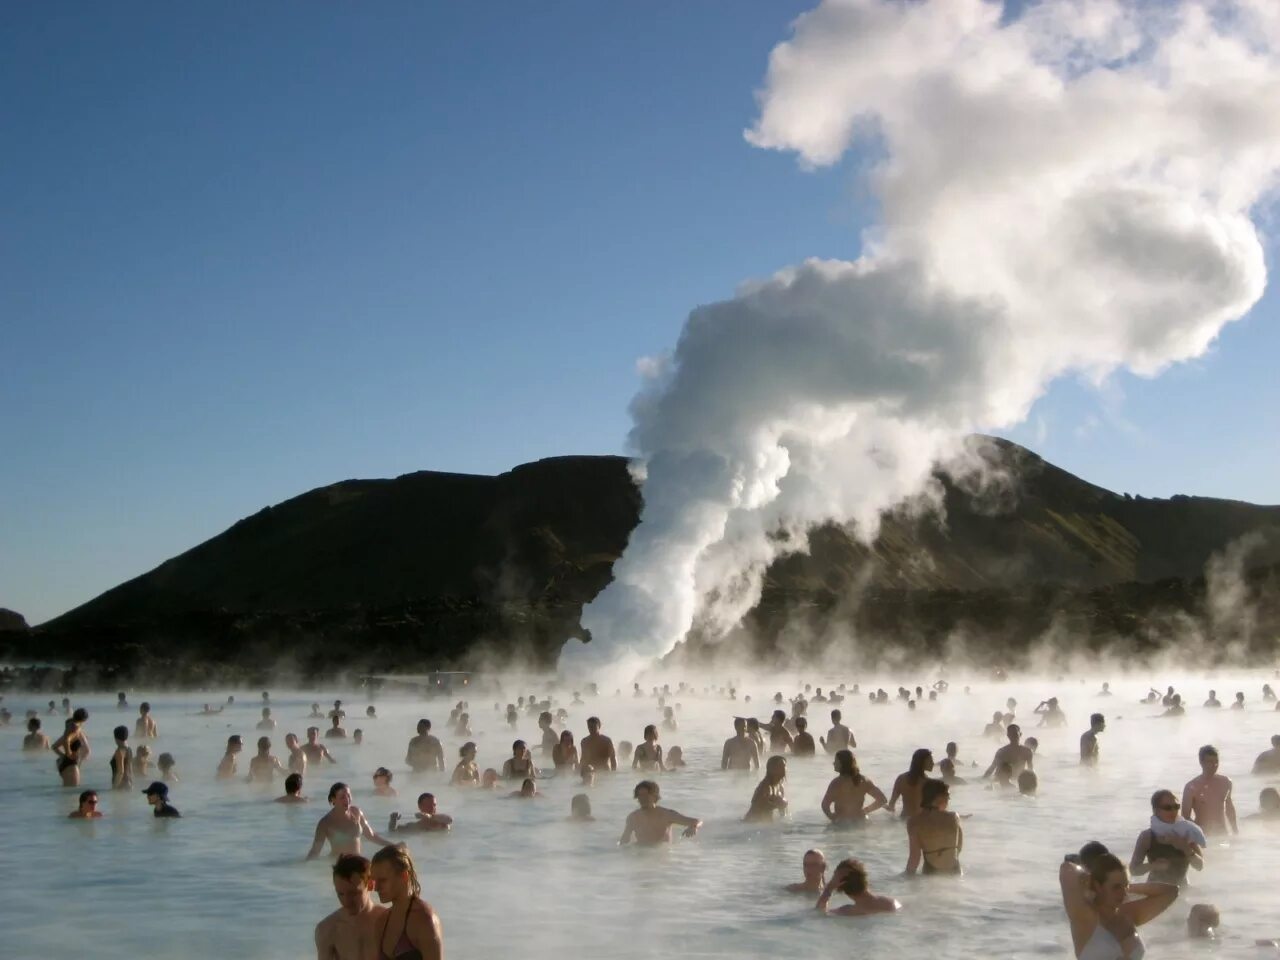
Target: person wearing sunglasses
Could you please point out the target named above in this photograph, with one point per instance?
(88, 808)
(1170, 846)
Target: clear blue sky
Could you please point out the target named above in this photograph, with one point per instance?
(251, 249)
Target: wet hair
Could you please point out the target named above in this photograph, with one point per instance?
(469, 745)
(855, 880)
(802, 724)
(916, 772)
(775, 762)
(1103, 866)
(847, 766)
(424, 725)
(1091, 851)
(1027, 782)
(1208, 750)
(580, 805)
(566, 734)
(33, 724)
(1096, 718)
(650, 728)
(649, 785)
(397, 855)
(86, 794)
(80, 715)
(1269, 799)
(382, 772)
(144, 707)
(593, 722)
(932, 791)
(264, 743)
(235, 738)
(519, 745)
(1160, 795)
(336, 789)
(425, 796)
(293, 783)
(814, 853)
(121, 732)
(165, 761)
(351, 866)
(836, 715)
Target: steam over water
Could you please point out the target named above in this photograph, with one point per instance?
(514, 878)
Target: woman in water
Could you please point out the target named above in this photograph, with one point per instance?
(34, 740)
(87, 808)
(121, 761)
(934, 836)
(850, 878)
(1103, 920)
(909, 785)
(142, 761)
(343, 826)
(770, 796)
(382, 783)
(845, 799)
(72, 748)
(648, 755)
(165, 764)
(564, 754)
(396, 883)
(1170, 846)
(466, 773)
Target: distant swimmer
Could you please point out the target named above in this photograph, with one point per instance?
(995, 729)
(1268, 695)
(336, 731)
(165, 764)
(528, 791)
(343, 826)
(519, 766)
(121, 761)
(549, 737)
(1175, 707)
(292, 790)
(1103, 920)
(597, 750)
(1028, 783)
(845, 801)
(934, 837)
(396, 882)
(1105, 691)
(34, 741)
(1213, 700)
(651, 824)
(265, 765)
(803, 745)
(850, 878)
(1203, 922)
(266, 723)
(1268, 806)
(648, 755)
(297, 757)
(428, 819)
(1051, 714)
(839, 737)
(489, 780)
(564, 755)
(382, 787)
(87, 808)
(1089, 740)
(314, 750)
(753, 731)
(227, 765)
(424, 752)
(669, 720)
(1170, 846)
(72, 748)
(740, 750)
(814, 867)
(675, 758)
(316, 713)
(947, 767)
(1239, 702)
(770, 796)
(466, 773)
(908, 786)
(780, 738)
(351, 931)
(1206, 799)
(158, 796)
(144, 728)
(580, 808)
(1017, 756)
(1269, 760)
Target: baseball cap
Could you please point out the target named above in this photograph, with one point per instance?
(159, 788)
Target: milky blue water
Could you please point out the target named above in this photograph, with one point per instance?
(228, 880)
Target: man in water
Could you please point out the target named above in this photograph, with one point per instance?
(1206, 800)
(1089, 740)
(427, 818)
(266, 764)
(651, 824)
(425, 752)
(814, 866)
(596, 750)
(314, 750)
(227, 765)
(158, 796)
(1013, 753)
(839, 737)
(802, 745)
(292, 790)
(740, 750)
(350, 932)
(1269, 760)
(87, 808)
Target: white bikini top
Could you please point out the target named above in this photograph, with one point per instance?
(1103, 945)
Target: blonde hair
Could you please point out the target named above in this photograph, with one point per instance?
(397, 855)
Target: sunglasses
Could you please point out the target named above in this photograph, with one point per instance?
(1171, 807)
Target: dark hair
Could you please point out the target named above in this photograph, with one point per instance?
(469, 745)
(424, 796)
(916, 772)
(164, 761)
(86, 794)
(1208, 750)
(382, 772)
(264, 743)
(1091, 851)
(80, 715)
(1103, 866)
(1096, 718)
(1159, 794)
(33, 724)
(336, 789)
(847, 766)
(855, 880)
(293, 783)
(650, 728)
(144, 707)
(121, 732)
(649, 785)
(802, 724)
(424, 725)
(580, 805)
(1028, 781)
(932, 791)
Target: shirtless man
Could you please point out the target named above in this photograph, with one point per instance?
(519, 765)
(596, 750)
(803, 745)
(297, 759)
(336, 731)
(1206, 800)
(313, 749)
(845, 799)
(88, 807)
(740, 750)
(651, 824)
(350, 932)
(850, 878)
(428, 818)
(814, 866)
(144, 728)
(425, 752)
(1089, 740)
(265, 765)
(770, 796)
(292, 790)
(839, 737)
(227, 765)
(549, 737)
(1013, 753)
(1269, 760)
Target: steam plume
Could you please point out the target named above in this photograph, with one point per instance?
(1069, 191)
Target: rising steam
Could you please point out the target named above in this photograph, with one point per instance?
(1069, 191)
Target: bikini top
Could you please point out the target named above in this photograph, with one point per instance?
(1103, 945)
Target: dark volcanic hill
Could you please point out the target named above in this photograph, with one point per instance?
(428, 568)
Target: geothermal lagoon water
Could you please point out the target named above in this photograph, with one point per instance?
(514, 877)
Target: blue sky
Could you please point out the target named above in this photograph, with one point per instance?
(252, 250)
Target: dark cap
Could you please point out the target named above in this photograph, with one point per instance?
(158, 787)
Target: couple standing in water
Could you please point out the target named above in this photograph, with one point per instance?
(407, 929)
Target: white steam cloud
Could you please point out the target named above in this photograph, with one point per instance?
(1069, 190)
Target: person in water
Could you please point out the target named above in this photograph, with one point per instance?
(293, 790)
(580, 808)
(314, 750)
(142, 761)
(651, 824)
(528, 791)
(909, 785)
(343, 826)
(1103, 920)
(839, 737)
(351, 931)
(740, 750)
(934, 836)
(424, 751)
(227, 765)
(813, 866)
(597, 750)
(87, 808)
(803, 745)
(648, 755)
(121, 761)
(158, 796)
(336, 731)
(72, 748)
(675, 758)
(165, 764)
(428, 818)
(34, 741)
(419, 935)
(382, 783)
(770, 796)
(519, 766)
(266, 723)
(850, 878)
(1171, 845)
(1014, 753)
(144, 728)
(564, 755)
(1268, 761)
(844, 803)
(1207, 798)
(1203, 922)
(265, 765)
(466, 773)
(1089, 740)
